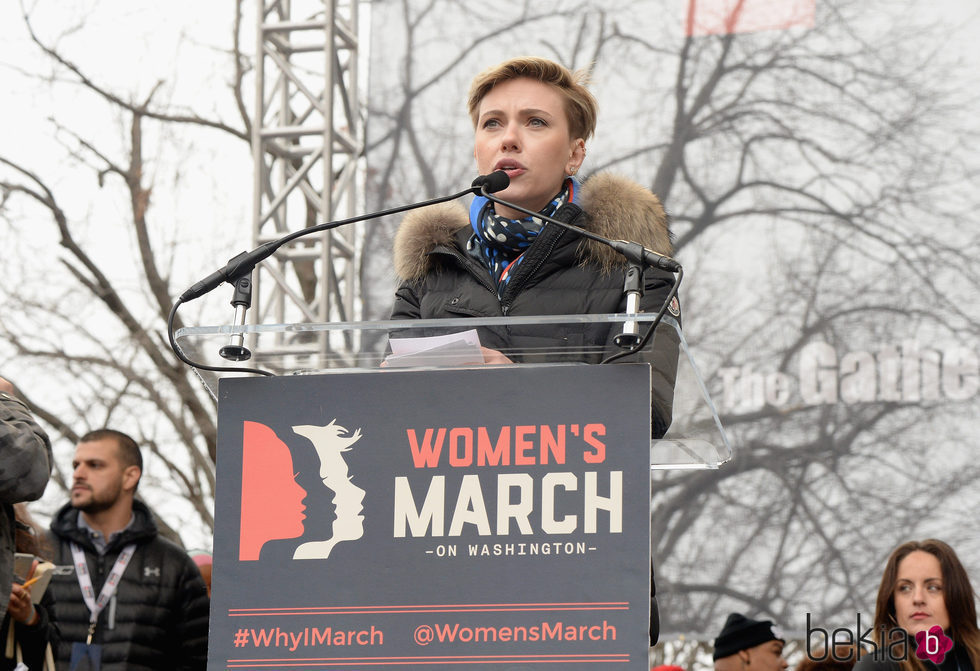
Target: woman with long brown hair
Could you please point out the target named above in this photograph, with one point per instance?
(925, 615)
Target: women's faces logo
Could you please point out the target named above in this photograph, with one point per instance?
(933, 644)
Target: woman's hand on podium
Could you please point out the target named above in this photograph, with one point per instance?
(492, 357)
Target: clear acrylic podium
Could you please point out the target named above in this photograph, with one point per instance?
(695, 438)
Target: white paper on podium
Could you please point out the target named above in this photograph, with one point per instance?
(455, 349)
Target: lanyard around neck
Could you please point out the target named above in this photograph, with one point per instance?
(94, 605)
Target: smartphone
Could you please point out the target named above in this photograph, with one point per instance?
(23, 563)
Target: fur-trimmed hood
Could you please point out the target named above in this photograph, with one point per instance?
(617, 208)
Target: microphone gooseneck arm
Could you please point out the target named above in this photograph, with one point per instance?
(633, 251)
(245, 262)
(241, 266)
(638, 257)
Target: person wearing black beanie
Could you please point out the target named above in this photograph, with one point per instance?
(745, 644)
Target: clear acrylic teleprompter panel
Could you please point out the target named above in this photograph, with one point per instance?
(695, 439)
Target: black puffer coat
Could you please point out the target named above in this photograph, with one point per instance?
(160, 618)
(561, 273)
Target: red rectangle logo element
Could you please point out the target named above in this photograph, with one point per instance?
(724, 17)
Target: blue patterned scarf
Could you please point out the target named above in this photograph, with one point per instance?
(501, 241)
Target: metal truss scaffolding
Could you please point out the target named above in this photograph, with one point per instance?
(306, 141)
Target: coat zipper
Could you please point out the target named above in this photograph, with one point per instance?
(505, 307)
(465, 264)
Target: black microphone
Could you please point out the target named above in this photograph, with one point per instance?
(633, 251)
(498, 180)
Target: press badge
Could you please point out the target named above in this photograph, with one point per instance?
(85, 657)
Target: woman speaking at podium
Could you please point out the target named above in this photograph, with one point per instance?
(532, 118)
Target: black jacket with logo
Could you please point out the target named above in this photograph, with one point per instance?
(159, 616)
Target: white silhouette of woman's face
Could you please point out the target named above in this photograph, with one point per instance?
(348, 500)
(330, 442)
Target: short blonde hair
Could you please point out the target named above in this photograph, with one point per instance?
(581, 107)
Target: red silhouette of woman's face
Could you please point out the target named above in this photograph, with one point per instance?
(272, 501)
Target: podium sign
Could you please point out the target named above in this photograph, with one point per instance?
(491, 518)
